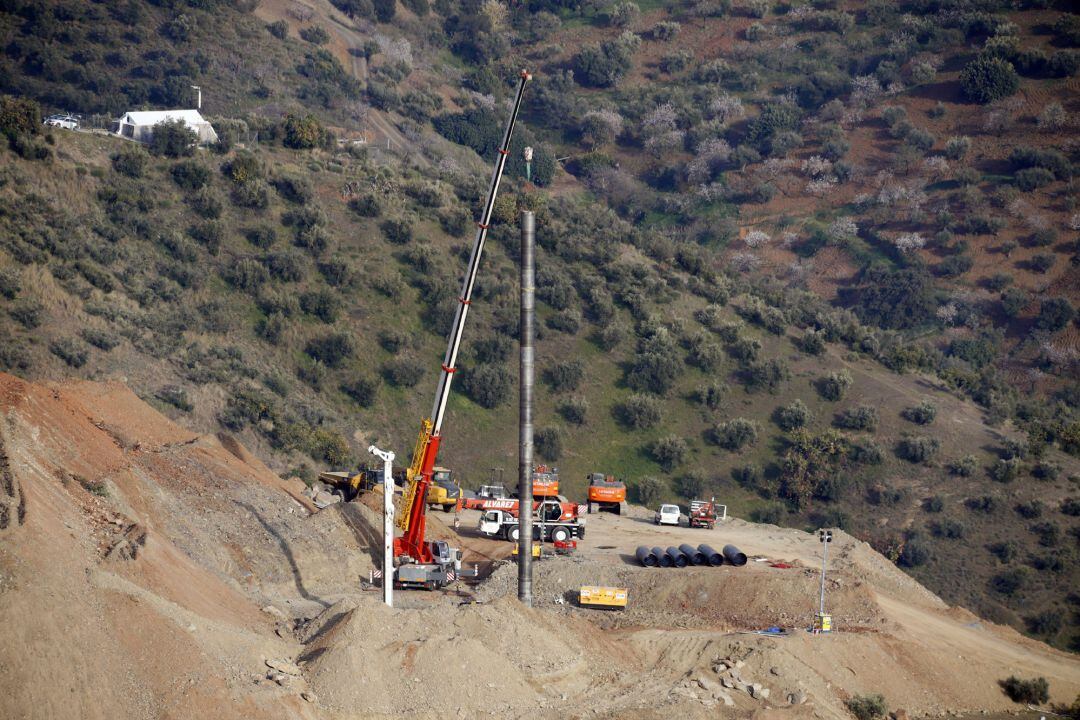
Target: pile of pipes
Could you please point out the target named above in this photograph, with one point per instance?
(689, 555)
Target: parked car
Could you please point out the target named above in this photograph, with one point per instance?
(667, 515)
(68, 122)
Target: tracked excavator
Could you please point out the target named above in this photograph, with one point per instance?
(418, 562)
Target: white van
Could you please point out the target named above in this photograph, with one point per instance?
(667, 515)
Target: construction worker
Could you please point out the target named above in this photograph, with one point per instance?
(457, 521)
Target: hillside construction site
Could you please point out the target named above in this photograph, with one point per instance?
(147, 571)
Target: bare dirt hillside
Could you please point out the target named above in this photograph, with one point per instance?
(149, 572)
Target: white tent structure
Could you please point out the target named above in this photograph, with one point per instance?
(139, 125)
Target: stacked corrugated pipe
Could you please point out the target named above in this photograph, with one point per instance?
(686, 555)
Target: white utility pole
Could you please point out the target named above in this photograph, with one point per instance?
(388, 524)
(198, 101)
(824, 622)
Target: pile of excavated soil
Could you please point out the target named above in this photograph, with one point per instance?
(365, 658)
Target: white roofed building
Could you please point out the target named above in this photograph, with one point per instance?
(139, 125)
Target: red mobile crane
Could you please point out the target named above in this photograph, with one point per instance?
(420, 562)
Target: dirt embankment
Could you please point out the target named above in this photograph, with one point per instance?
(148, 572)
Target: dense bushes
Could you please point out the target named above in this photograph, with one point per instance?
(986, 79)
(1035, 691)
(834, 385)
(669, 452)
(918, 448)
(921, 414)
(488, 385)
(793, 416)
(734, 434)
(604, 65)
(639, 412)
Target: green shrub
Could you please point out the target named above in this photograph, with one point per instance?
(131, 161)
(549, 443)
(914, 554)
(921, 414)
(574, 409)
(712, 395)
(812, 343)
(102, 339)
(403, 371)
(690, 486)
(605, 64)
(868, 707)
(934, 504)
(71, 351)
(735, 434)
(834, 385)
(860, 417)
(964, 467)
(279, 29)
(918, 448)
(332, 349)
(565, 376)
(303, 133)
(1033, 178)
(1005, 470)
(190, 174)
(1054, 314)
(793, 416)
(487, 385)
(1028, 692)
(364, 390)
(27, 312)
(315, 34)
(648, 491)
(986, 79)
(322, 303)
(397, 230)
(172, 139)
(175, 396)
(865, 451)
(639, 412)
(669, 452)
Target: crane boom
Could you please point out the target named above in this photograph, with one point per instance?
(412, 519)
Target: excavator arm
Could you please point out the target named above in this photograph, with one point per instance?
(412, 518)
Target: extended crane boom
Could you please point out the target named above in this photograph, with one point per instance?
(411, 546)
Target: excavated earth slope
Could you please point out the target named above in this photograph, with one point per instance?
(149, 572)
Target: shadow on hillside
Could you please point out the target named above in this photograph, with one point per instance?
(298, 580)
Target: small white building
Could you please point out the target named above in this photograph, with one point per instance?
(139, 125)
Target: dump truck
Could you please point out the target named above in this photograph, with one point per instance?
(348, 484)
(443, 492)
(595, 596)
(606, 494)
(703, 513)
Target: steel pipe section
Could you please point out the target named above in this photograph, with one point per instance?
(677, 557)
(711, 556)
(645, 557)
(734, 556)
(663, 558)
(694, 556)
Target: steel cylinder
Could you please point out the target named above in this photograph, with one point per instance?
(693, 555)
(663, 558)
(711, 556)
(646, 557)
(677, 558)
(734, 556)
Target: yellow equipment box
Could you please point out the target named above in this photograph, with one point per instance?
(602, 597)
(535, 550)
(822, 623)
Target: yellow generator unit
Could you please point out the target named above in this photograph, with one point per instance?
(612, 598)
(535, 550)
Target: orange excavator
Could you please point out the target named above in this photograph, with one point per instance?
(419, 562)
(606, 493)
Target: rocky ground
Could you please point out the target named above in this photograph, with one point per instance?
(150, 572)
